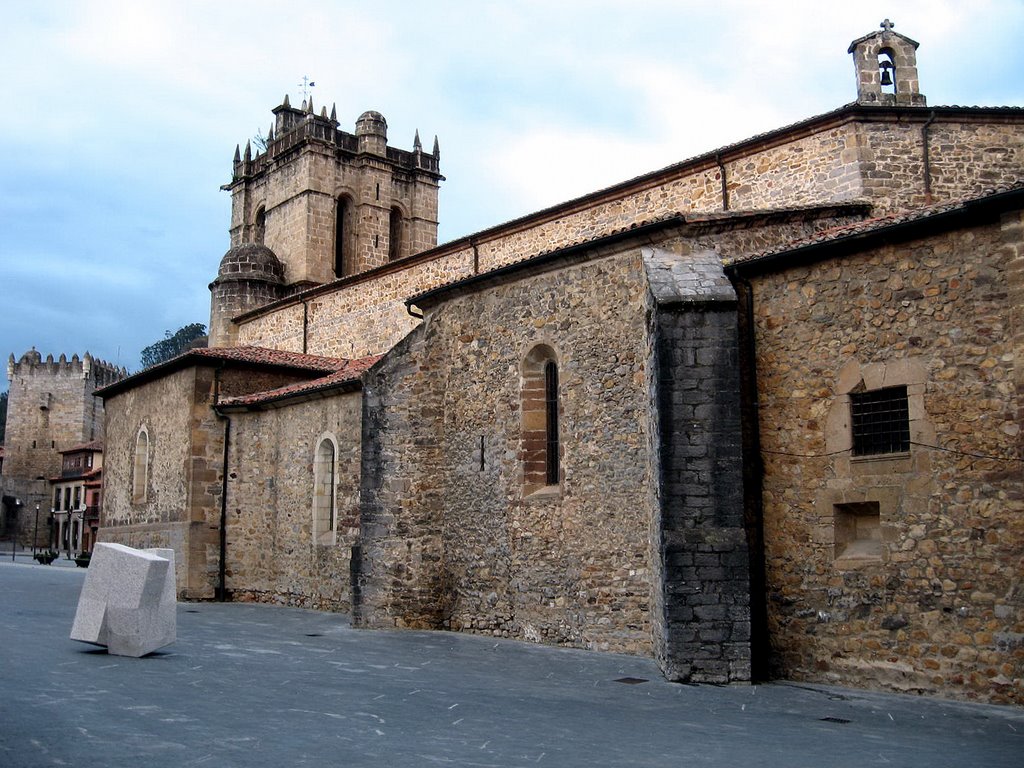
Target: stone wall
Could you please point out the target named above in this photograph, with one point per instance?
(965, 159)
(451, 538)
(271, 553)
(937, 607)
(181, 505)
(163, 519)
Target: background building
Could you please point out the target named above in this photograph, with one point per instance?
(51, 407)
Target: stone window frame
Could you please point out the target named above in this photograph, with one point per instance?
(324, 506)
(862, 481)
(857, 377)
(259, 225)
(343, 262)
(140, 466)
(837, 506)
(398, 219)
(542, 468)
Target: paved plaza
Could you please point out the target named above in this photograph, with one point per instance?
(252, 685)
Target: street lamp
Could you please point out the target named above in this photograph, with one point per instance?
(35, 533)
(14, 535)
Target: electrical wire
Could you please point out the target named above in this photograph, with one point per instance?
(1009, 459)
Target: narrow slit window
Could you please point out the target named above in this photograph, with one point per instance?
(540, 412)
(551, 425)
(325, 490)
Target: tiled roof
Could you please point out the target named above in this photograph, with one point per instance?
(877, 224)
(265, 356)
(95, 445)
(245, 355)
(90, 474)
(349, 372)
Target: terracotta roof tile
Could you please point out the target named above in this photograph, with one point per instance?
(263, 355)
(248, 355)
(95, 445)
(349, 371)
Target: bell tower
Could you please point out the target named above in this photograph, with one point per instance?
(886, 65)
(328, 204)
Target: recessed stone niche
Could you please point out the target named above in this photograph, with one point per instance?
(858, 531)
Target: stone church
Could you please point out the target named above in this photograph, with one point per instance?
(754, 414)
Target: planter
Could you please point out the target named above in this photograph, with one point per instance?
(45, 558)
(82, 560)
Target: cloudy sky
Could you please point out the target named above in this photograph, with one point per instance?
(122, 117)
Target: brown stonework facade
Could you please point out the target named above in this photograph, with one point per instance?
(855, 154)
(504, 552)
(164, 471)
(756, 413)
(273, 554)
(929, 600)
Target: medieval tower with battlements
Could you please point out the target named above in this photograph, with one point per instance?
(320, 204)
(51, 408)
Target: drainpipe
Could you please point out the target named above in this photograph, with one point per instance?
(725, 186)
(927, 166)
(305, 325)
(222, 564)
(476, 257)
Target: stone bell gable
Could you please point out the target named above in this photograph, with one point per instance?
(886, 64)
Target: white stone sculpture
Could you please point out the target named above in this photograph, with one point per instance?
(128, 600)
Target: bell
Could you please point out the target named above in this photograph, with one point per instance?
(886, 73)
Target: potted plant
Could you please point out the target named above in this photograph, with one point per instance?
(46, 556)
(82, 559)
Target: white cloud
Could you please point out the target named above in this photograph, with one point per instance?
(122, 115)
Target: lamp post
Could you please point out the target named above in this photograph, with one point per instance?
(35, 533)
(14, 533)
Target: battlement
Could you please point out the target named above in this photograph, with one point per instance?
(293, 128)
(87, 367)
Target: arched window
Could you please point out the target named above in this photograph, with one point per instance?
(344, 233)
(325, 492)
(541, 452)
(140, 466)
(259, 226)
(395, 235)
(887, 70)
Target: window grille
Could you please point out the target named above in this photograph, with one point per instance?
(881, 421)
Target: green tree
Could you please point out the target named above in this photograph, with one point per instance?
(173, 344)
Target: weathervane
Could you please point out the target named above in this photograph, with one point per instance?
(306, 85)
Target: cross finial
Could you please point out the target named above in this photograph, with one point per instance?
(887, 25)
(306, 85)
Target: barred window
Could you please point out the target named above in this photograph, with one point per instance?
(881, 421)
